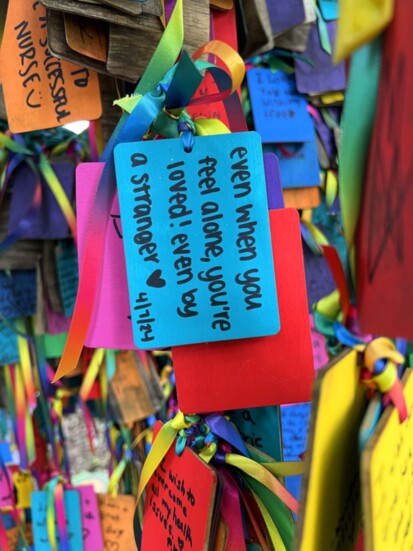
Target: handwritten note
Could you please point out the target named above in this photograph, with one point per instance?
(331, 508)
(387, 479)
(260, 427)
(92, 530)
(279, 111)
(129, 390)
(41, 91)
(67, 273)
(197, 240)
(294, 430)
(73, 521)
(17, 293)
(179, 504)
(116, 517)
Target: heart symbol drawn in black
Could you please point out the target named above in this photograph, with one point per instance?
(155, 280)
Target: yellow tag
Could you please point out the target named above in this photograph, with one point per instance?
(387, 479)
(23, 483)
(330, 512)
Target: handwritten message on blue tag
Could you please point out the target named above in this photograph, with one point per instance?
(298, 164)
(260, 427)
(73, 521)
(279, 111)
(197, 240)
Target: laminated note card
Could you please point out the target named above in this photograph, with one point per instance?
(197, 240)
(387, 479)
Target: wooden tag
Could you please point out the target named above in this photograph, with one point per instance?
(223, 5)
(128, 389)
(86, 36)
(387, 479)
(151, 7)
(330, 513)
(196, 24)
(41, 91)
(116, 516)
(139, 49)
(98, 11)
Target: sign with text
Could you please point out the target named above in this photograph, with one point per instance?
(92, 530)
(41, 91)
(179, 504)
(387, 479)
(279, 111)
(73, 521)
(116, 516)
(197, 240)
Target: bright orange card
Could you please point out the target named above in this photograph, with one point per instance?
(41, 91)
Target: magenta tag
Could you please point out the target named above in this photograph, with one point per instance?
(92, 530)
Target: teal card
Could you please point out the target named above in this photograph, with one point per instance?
(73, 521)
(9, 350)
(261, 428)
(329, 9)
(279, 110)
(197, 240)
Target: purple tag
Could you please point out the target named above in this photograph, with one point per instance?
(326, 135)
(324, 76)
(318, 277)
(273, 181)
(284, 15)
(50, 222)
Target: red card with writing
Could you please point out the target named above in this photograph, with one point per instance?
(262, 371)
(385, 252)
(180, 503)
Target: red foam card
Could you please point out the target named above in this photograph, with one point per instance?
(179, 505)
(385, 252)
(262, 371)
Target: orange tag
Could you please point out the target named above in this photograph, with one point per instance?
(86, 36)
(41, 91)
(116, 517)
(222, 4)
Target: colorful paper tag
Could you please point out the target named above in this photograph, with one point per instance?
(329, 9)
(6, 489)
(319, 347)
(279, 111)
(197, 240)
(179, 504)
(41, 91)
(110, 326)
(298, 163)
(257, 372)
(285, 15)
(92, 530)
(73, 521)
(273, 179)
(387, 479)
(116, 517)
(23, 484)
(5, 452)
(330, 506)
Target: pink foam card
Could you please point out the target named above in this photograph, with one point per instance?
(92, 529)
(6, 489)
(110, 326)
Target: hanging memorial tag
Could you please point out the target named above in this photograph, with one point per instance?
(180, 504)
(197, 240)
(387, 479)
(279, 111)
(41, 91)
(73, 519)
(257, 372)
(92, 530)
(116, 517)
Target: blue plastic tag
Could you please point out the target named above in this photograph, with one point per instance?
(73, 521)
(197, 240)
(279, 111)
(298, 164)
